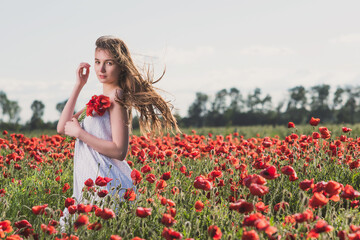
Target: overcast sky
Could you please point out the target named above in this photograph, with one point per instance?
(205, 45)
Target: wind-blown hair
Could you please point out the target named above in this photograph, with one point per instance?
(138, 90)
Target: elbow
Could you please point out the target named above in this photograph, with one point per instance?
(60, 130)
(121, 154)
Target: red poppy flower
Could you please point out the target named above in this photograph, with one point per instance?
(261, 207)
(39, 209)
(293, 177)
(261, 224)
(169, 153)
(199, 206)
(2, 192)
(72, 209)
(89, 182)
(314, 121)
(143, 212)
(170, 202)
(48, 229)
(321, 226)
(325, 133)
(66, 187)
(172, 212)
(115, 237)
(318, 200)
(167, 220)
(161, 184)
(202, 183)
(249, 179)
(102, 193)
(130, 195)
(150, 178)
(81, 221)
(307, 184)
(269, 173)
(319, 187)
(345, 129)
(291, 125)
(84, 208)
(349, 193)
(258, 190)
(250, 235)
(94, 226)
(266, 144)
(5, 226)
(287, 170)
(305, 216)
(166, 176)
(136, 176)
(333, 188)
(251, 219)
(102, 103)
(22, 224)
(100, 181)
(242, 206)
(145, 169)
(90, 106)
(316, 135)
(105, 213)
(214, 232)
(170, 234)
(183, 169)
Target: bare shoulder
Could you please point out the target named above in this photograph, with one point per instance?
(117, 93)
(116, 110)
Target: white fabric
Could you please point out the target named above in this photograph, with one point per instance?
(89, 163)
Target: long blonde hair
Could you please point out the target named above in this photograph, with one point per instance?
(138, 90)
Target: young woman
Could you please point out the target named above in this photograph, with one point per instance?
(102, 141)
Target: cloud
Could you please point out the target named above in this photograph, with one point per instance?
(260, 50)
(174, 55)
(347, 38)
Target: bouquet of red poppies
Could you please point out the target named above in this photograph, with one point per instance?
(99, 104)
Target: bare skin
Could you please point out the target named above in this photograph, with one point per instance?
(107, 72)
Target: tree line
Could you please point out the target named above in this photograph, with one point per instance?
(10, 115)
(229, 107)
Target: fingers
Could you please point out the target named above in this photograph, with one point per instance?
(83, 69)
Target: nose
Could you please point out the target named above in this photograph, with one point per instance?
(102, 69)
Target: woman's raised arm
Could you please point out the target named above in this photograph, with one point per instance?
(67, 113)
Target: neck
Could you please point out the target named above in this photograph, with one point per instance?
(107, 89)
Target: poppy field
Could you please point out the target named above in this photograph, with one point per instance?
(189, 186)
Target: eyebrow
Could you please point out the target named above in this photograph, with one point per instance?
(106, 59)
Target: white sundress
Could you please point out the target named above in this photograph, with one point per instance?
(89, 163)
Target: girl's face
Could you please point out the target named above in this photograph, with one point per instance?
(106, 68)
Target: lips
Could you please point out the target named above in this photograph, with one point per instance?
(102, 76)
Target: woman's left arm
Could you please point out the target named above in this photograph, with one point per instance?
(118, 147)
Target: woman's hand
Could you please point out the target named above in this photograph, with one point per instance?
(82, 78)
(73, 128)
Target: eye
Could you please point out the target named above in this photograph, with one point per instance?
(97, 62)
(110, 63)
